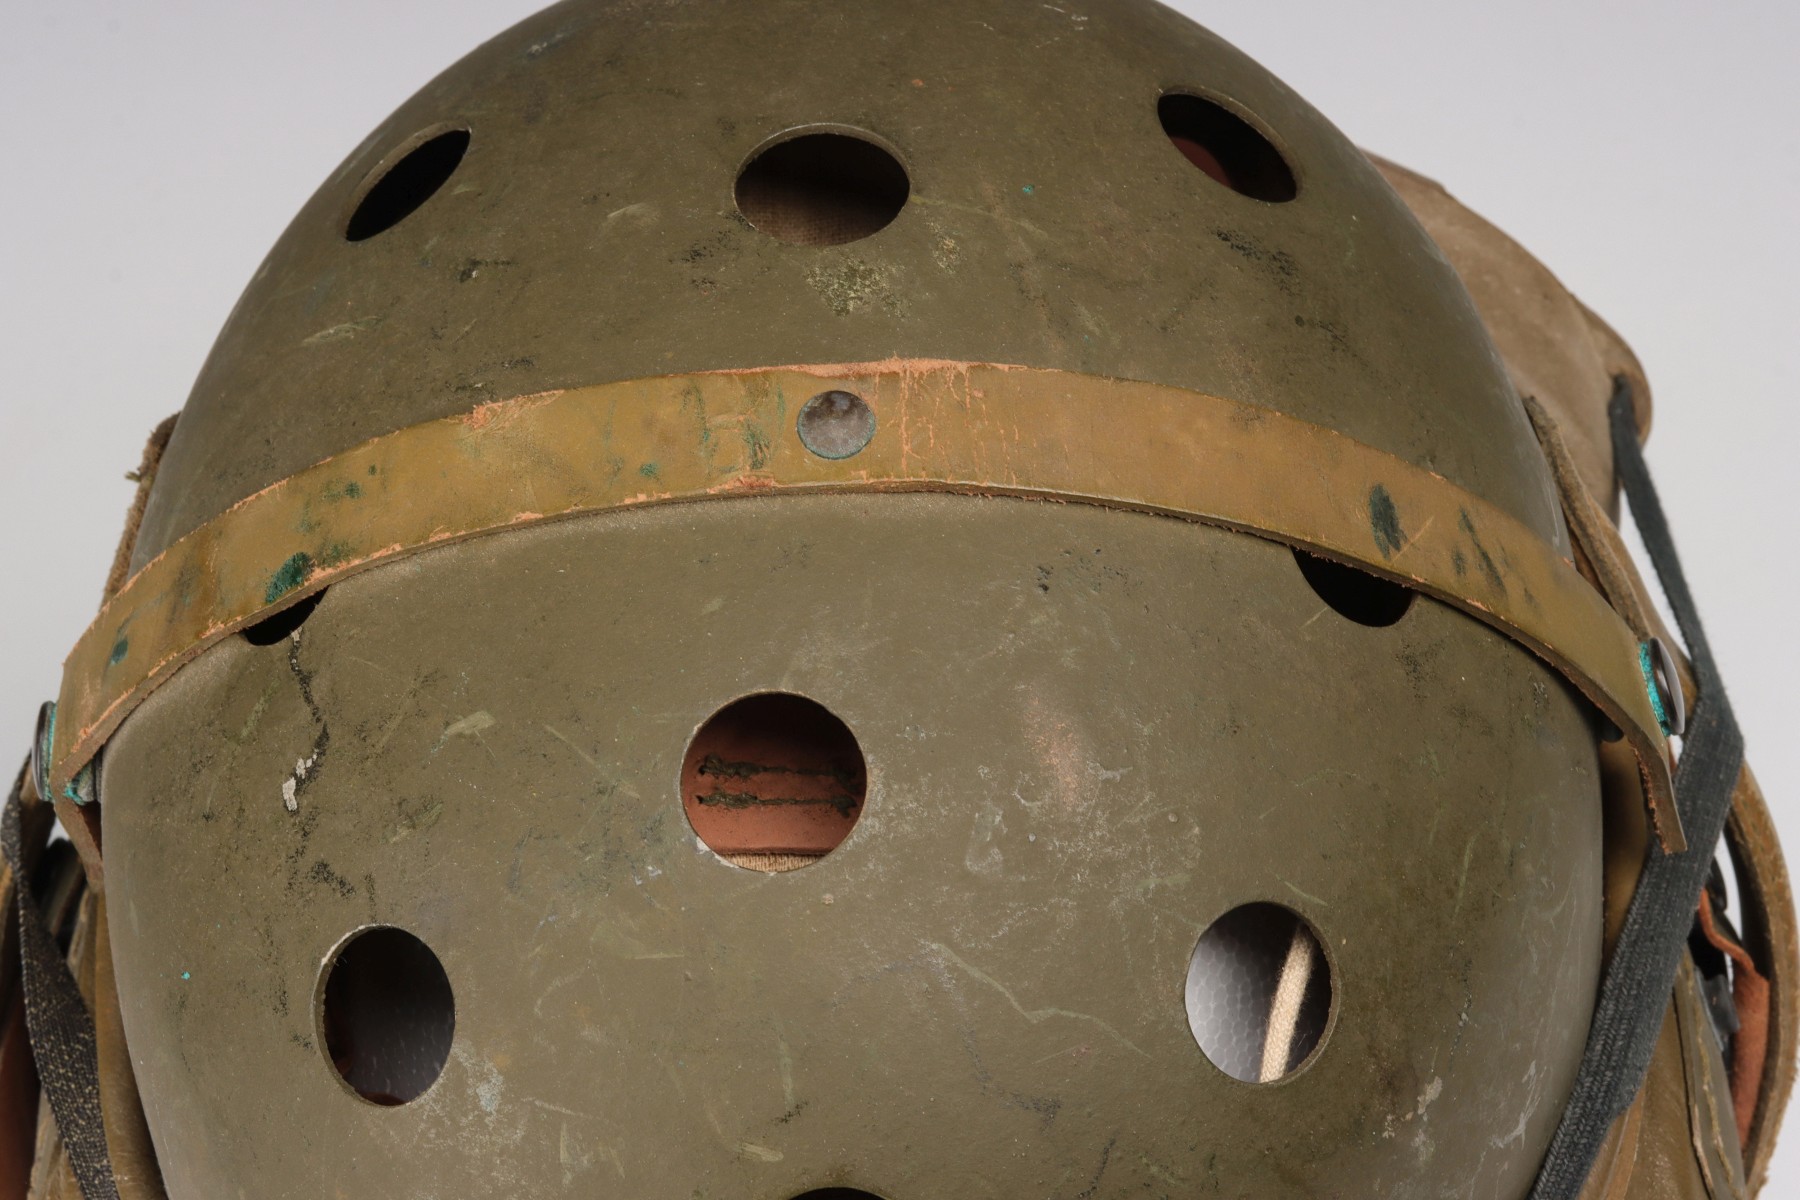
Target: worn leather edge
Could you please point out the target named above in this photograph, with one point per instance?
(1551, 344)
(144, 477)
(1772, 935)
(1711, 1126)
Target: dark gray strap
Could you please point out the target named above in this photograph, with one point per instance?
(1635, 991)
(62, 1031)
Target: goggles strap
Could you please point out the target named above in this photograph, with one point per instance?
(63, 1042)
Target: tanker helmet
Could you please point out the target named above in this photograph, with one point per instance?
(957, 598)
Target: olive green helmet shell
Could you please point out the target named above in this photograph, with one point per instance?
(1088, 733)
(590, 233)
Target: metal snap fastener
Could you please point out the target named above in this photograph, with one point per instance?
(40, 749)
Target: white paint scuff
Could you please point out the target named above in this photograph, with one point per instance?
(290, 787)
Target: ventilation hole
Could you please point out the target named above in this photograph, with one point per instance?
(1226, 147)
(1258, 993)
(837, 1193)
(285, 623)
(773, 782)
(1364, 598)
(388, 1015)
(406, 185)
(822, 189)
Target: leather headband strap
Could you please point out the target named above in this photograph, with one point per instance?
(978, 429)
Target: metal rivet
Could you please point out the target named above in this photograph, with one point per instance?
(1668, 686)
(85, 787)
(41, 749)
(836, 424)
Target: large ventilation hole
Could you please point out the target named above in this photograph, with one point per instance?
(773, 782)
(388, 1015)
(285, 623)
(1258, 993)
(837, 1193)
(399, 192)
(1364, 598)
(1226, 147)
(822, 189)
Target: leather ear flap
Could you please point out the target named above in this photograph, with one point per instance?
(135, 1170)
(144, 476)
(1768, 926)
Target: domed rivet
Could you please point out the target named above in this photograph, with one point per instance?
(836, 424)
(1667, 681)
(40, 749)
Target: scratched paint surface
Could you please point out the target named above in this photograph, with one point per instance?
(959, 427)
(1088, 733)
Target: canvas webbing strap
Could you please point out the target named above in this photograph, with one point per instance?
(63, 1043)
(1634, 992)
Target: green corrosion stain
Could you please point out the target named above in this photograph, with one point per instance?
(692, 398)
(1650, 685)
(1483, 559)
(290, 575)
(648, 471)
(119, 650)
(757, 444)
(336, 554)
(1384, 522)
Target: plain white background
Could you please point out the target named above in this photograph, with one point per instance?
(1649, 152)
